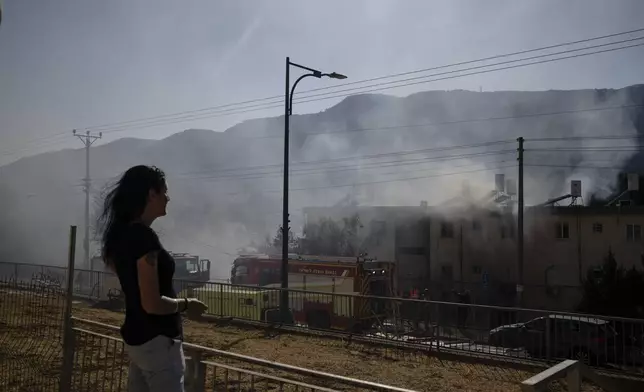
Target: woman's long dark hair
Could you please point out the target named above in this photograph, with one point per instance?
(125, 202)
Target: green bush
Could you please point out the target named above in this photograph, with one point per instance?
(612, 290)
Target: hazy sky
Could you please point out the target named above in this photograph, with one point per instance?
(68, 64)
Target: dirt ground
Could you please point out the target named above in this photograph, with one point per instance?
(337, 357)
(29, 322)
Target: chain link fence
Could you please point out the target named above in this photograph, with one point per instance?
(31, 346)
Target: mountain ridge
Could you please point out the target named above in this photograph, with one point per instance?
(226, 186)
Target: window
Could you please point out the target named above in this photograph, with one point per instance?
(598, 228)
(633, 233)
(192, 265)
(562, 231)
(447, 230)
(240, 270)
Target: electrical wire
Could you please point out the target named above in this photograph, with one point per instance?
(375, 182)
(297, 164)
(42, 144)
(544, 165)
(582, 138)
(472, 120)
(386, 86)
(476, 68)
(280, 97)
(378, 88)
(589, 149)
(305, 100)
(477, 72)
(480, 59)
(332, 170)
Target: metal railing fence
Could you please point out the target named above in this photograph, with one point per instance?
(612, 343)
(43, 348)
(100, 364)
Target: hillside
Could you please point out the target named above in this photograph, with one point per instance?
(216, 207)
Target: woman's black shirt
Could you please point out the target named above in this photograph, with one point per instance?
(133, 242)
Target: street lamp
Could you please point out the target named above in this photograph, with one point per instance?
(288, 110)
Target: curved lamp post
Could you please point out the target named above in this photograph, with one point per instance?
(288, 110)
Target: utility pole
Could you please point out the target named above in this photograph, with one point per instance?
(284, 300)
(460, 254)
(88, 139)
(520, 225)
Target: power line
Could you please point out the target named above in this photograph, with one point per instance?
(478, 72)
(280, 97)
(394, 163)
(543, 165)
(234, 173)
(590, 149)
(305, 100)
(379, 86)
(372, 90)
(332, 170)
(167, 120)
(42, 144)
(480, 59)
(260, 171)
(582, 138)
(473, 120)
(477, 67)
(451, 122)
(377, 182)
(356, 157)
(250, 109)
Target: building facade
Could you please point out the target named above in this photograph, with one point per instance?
(473, 246)
(563, 243)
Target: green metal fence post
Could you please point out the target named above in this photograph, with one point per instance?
(68, 332)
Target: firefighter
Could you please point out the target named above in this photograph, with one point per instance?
(462, 297)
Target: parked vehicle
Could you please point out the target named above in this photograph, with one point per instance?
(592, 340)
(341, 277)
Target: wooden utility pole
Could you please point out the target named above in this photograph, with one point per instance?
(460, 254)
(520, 224)
(87, 139)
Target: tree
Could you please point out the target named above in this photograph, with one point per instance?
(612, 290)
(274, 245)
(327, 237)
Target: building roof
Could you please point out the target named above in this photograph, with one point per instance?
(587, 210)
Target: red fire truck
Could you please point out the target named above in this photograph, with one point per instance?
(311, 277)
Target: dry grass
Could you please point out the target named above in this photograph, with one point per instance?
(31, 322)
(337, 357)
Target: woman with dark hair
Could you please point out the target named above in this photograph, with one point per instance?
(152, 330)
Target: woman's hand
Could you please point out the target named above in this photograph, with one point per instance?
(195, 308)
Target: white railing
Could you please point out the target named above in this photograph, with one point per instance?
(94, 358)
(573, 371)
